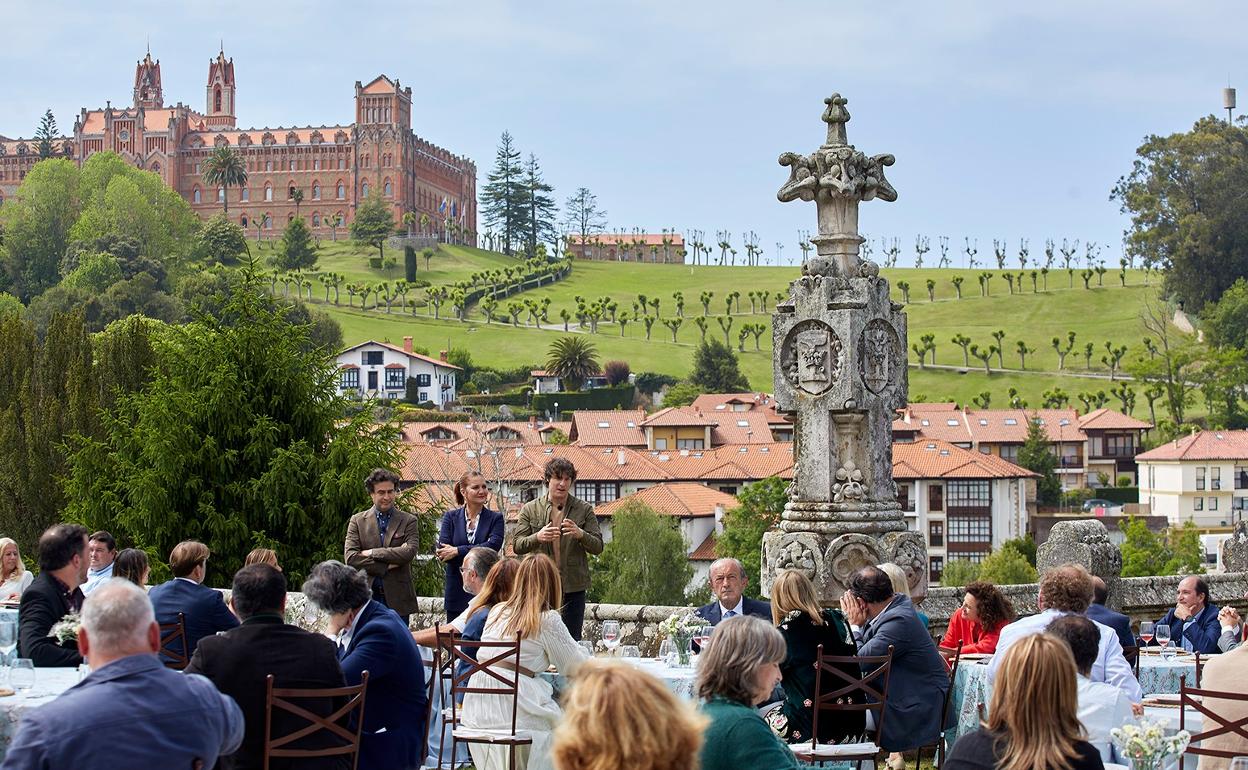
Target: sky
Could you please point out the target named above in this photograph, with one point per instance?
(1008, 120)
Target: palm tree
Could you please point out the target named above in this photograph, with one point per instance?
(296, 195)
(573, 360)
(225, 168)
(409, 221)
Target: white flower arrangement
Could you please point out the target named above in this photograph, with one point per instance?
(66, 629)
(683, 623)
(1146, 743)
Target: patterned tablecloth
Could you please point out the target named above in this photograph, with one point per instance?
(971, 686)
(49, 683)
(680, 681)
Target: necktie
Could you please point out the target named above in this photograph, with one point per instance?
(730, 614)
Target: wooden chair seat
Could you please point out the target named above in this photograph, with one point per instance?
(173, 646)
(839, 688)
(349, 708)
(499, 664)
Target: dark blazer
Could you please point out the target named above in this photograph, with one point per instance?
(803, 638)
(204, 608)
(395, 706)
(1203, 629)
(400, 548)
(918, 680)
(454, 532)
(755, 607)
(238, 662)
(43, 604)
(1115, 620)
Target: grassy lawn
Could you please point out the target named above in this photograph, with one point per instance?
(448, 265)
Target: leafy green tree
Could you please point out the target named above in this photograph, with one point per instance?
(959, 572)
(37, 221)
(46, 134)
(681, 394)
(262, 448)
(373, 223)
(646, 561)
(1226, 321)
(1186, 215)
(1146, 553)
(95, 273)
(297, 251)
(1036, 456)
(503, 198)
(10, 305)
(225, 168)
(758, 510)
(715, 369)
(1007, 566)
(122, 202)
(1024, 545)
(221, 241)
(573, 360)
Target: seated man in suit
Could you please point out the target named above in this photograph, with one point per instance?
(203, 607)
(54, 594)
(373, 638)
(728, 581)
(239, 661)
(918, 678)
(131, 711)
(1193, 619)
(1105, 616)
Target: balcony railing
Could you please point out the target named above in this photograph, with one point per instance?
(1115, 453)
(1070, 462)
(1241, 480)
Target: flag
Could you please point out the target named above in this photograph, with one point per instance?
(454, 209)
(442, 206)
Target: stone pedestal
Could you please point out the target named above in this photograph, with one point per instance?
(1083, 542)
(840, 369)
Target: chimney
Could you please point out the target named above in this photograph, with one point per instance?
(442, 355)
(407, 344)
(619, 457)
(719, 519)
(533, 421)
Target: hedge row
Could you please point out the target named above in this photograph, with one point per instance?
(619, 397)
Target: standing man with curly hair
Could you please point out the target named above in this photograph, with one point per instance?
(564, 528)
(383, 541)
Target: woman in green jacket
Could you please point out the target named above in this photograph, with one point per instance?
(805, 626)
(739, 668)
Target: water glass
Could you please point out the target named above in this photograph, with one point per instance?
(611, 634)
(1161, 632)
(588, 647)
(667, 652)
(22, 675)
(1239, 763)
(630, 651)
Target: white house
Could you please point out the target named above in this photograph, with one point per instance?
(1202, 478)
(380, 370)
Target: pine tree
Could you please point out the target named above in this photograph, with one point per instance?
(297, 251)
(1035, 456)
(539, 207)
(503, 199)
(46, 135)
(715, 369)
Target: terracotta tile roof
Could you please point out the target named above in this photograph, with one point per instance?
(705, 551)
(939, 459)
(649, 239)
(685, 499)
(612, 428)
(94, 124)
(993, 425)
(1111, 419)
(401, 351)
(730, 462)
(155, 120)
(1203, 445)
(740, 428)
(722, 402)
(933, 406)
(380, 85)
(677, 416)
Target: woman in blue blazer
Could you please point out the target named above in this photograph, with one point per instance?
(464, 528)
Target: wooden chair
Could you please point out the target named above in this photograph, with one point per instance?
(1213, 724)
(1132, 654)
(336, 724)
(444, 669)
(873, 684)
(939, 747)
(1200, 667)
(431, 681)
(504, 670)
(173, 646)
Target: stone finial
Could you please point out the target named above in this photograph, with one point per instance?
(1083, 542)
(836, 116)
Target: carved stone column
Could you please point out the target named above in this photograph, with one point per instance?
(840, 369)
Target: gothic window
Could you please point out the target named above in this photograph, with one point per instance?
(290, 218)
(245, 195)
(342, 163)
(195, 195)
(290, 192)
(243, 221)
(268, 222)
(216, 99)
(364, 190)
(342, 191)
(316, 191)
(389, 189)
(316, 220)
(268, 165)
(155, 168)
(316, 165)
(220, 194)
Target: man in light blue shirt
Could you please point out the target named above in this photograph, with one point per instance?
(130, 711)
(102, 554)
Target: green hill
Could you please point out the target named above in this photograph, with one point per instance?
(1109, 313)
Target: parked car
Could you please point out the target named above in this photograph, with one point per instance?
(1097, 502)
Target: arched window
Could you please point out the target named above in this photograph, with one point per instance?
(268, 192)
(220, 194)
(290, 218)
(389, 189)
(243, 221)
(342, 163)
(268, 222)
(195, 195)
(316, 164)
(292, 165)
(245, 194)
(363, 191)
(342, 191)
(268, 165)
(290, 192)
(216, 99)
(316, 191)
(316, 220)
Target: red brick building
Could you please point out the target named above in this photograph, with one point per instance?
(335, 167)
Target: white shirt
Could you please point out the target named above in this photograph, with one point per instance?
(1110, 665)
(1102, 707)
(739, 609)
(96, 578)
(344, 636)
(460, 621)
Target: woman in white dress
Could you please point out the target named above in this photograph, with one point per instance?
(533, 613)
(14, 577)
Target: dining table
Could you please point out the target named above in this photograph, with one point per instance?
(49, 683)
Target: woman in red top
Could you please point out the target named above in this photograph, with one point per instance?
(977, 625)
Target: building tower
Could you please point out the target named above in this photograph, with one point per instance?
(220, 106)
(147, 91)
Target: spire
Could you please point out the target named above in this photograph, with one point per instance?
(147, 87)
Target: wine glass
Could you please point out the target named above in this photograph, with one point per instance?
(630, 651)
(8, 636)
(611, 634)
(22, 675)
(703, 635)
(588, 647)
(1146, 632)
(667, 652)
(1161, 632)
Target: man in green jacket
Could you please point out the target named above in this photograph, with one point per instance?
(565, 529)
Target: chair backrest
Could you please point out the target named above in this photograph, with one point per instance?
(953, 675)
(1132, 654)
(842, 686)
(1213, 724)
(337, 724)
(173, 646)
(498, 661)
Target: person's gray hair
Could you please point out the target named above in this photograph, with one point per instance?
(727, 560)
(333, 587)
(730, 662)
(481, 560)
(117, 616)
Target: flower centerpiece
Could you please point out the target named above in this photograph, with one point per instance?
(680, 627)
(1147, 745)
(66, 629)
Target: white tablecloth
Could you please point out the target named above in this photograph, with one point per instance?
(49, 683)
(680, 681)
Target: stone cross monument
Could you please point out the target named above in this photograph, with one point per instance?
(840, 368)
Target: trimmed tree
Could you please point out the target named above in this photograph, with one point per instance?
(373, 223)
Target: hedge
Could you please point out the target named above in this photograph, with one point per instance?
(512, 398)
(1118, 494)
(619, 397)
(412, 414)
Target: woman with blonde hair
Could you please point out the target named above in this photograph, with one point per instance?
(738, 669)
(14, 577)
(1033, 721)
(617, 715)
(805, 625)
(263, 556)
(532, 614)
